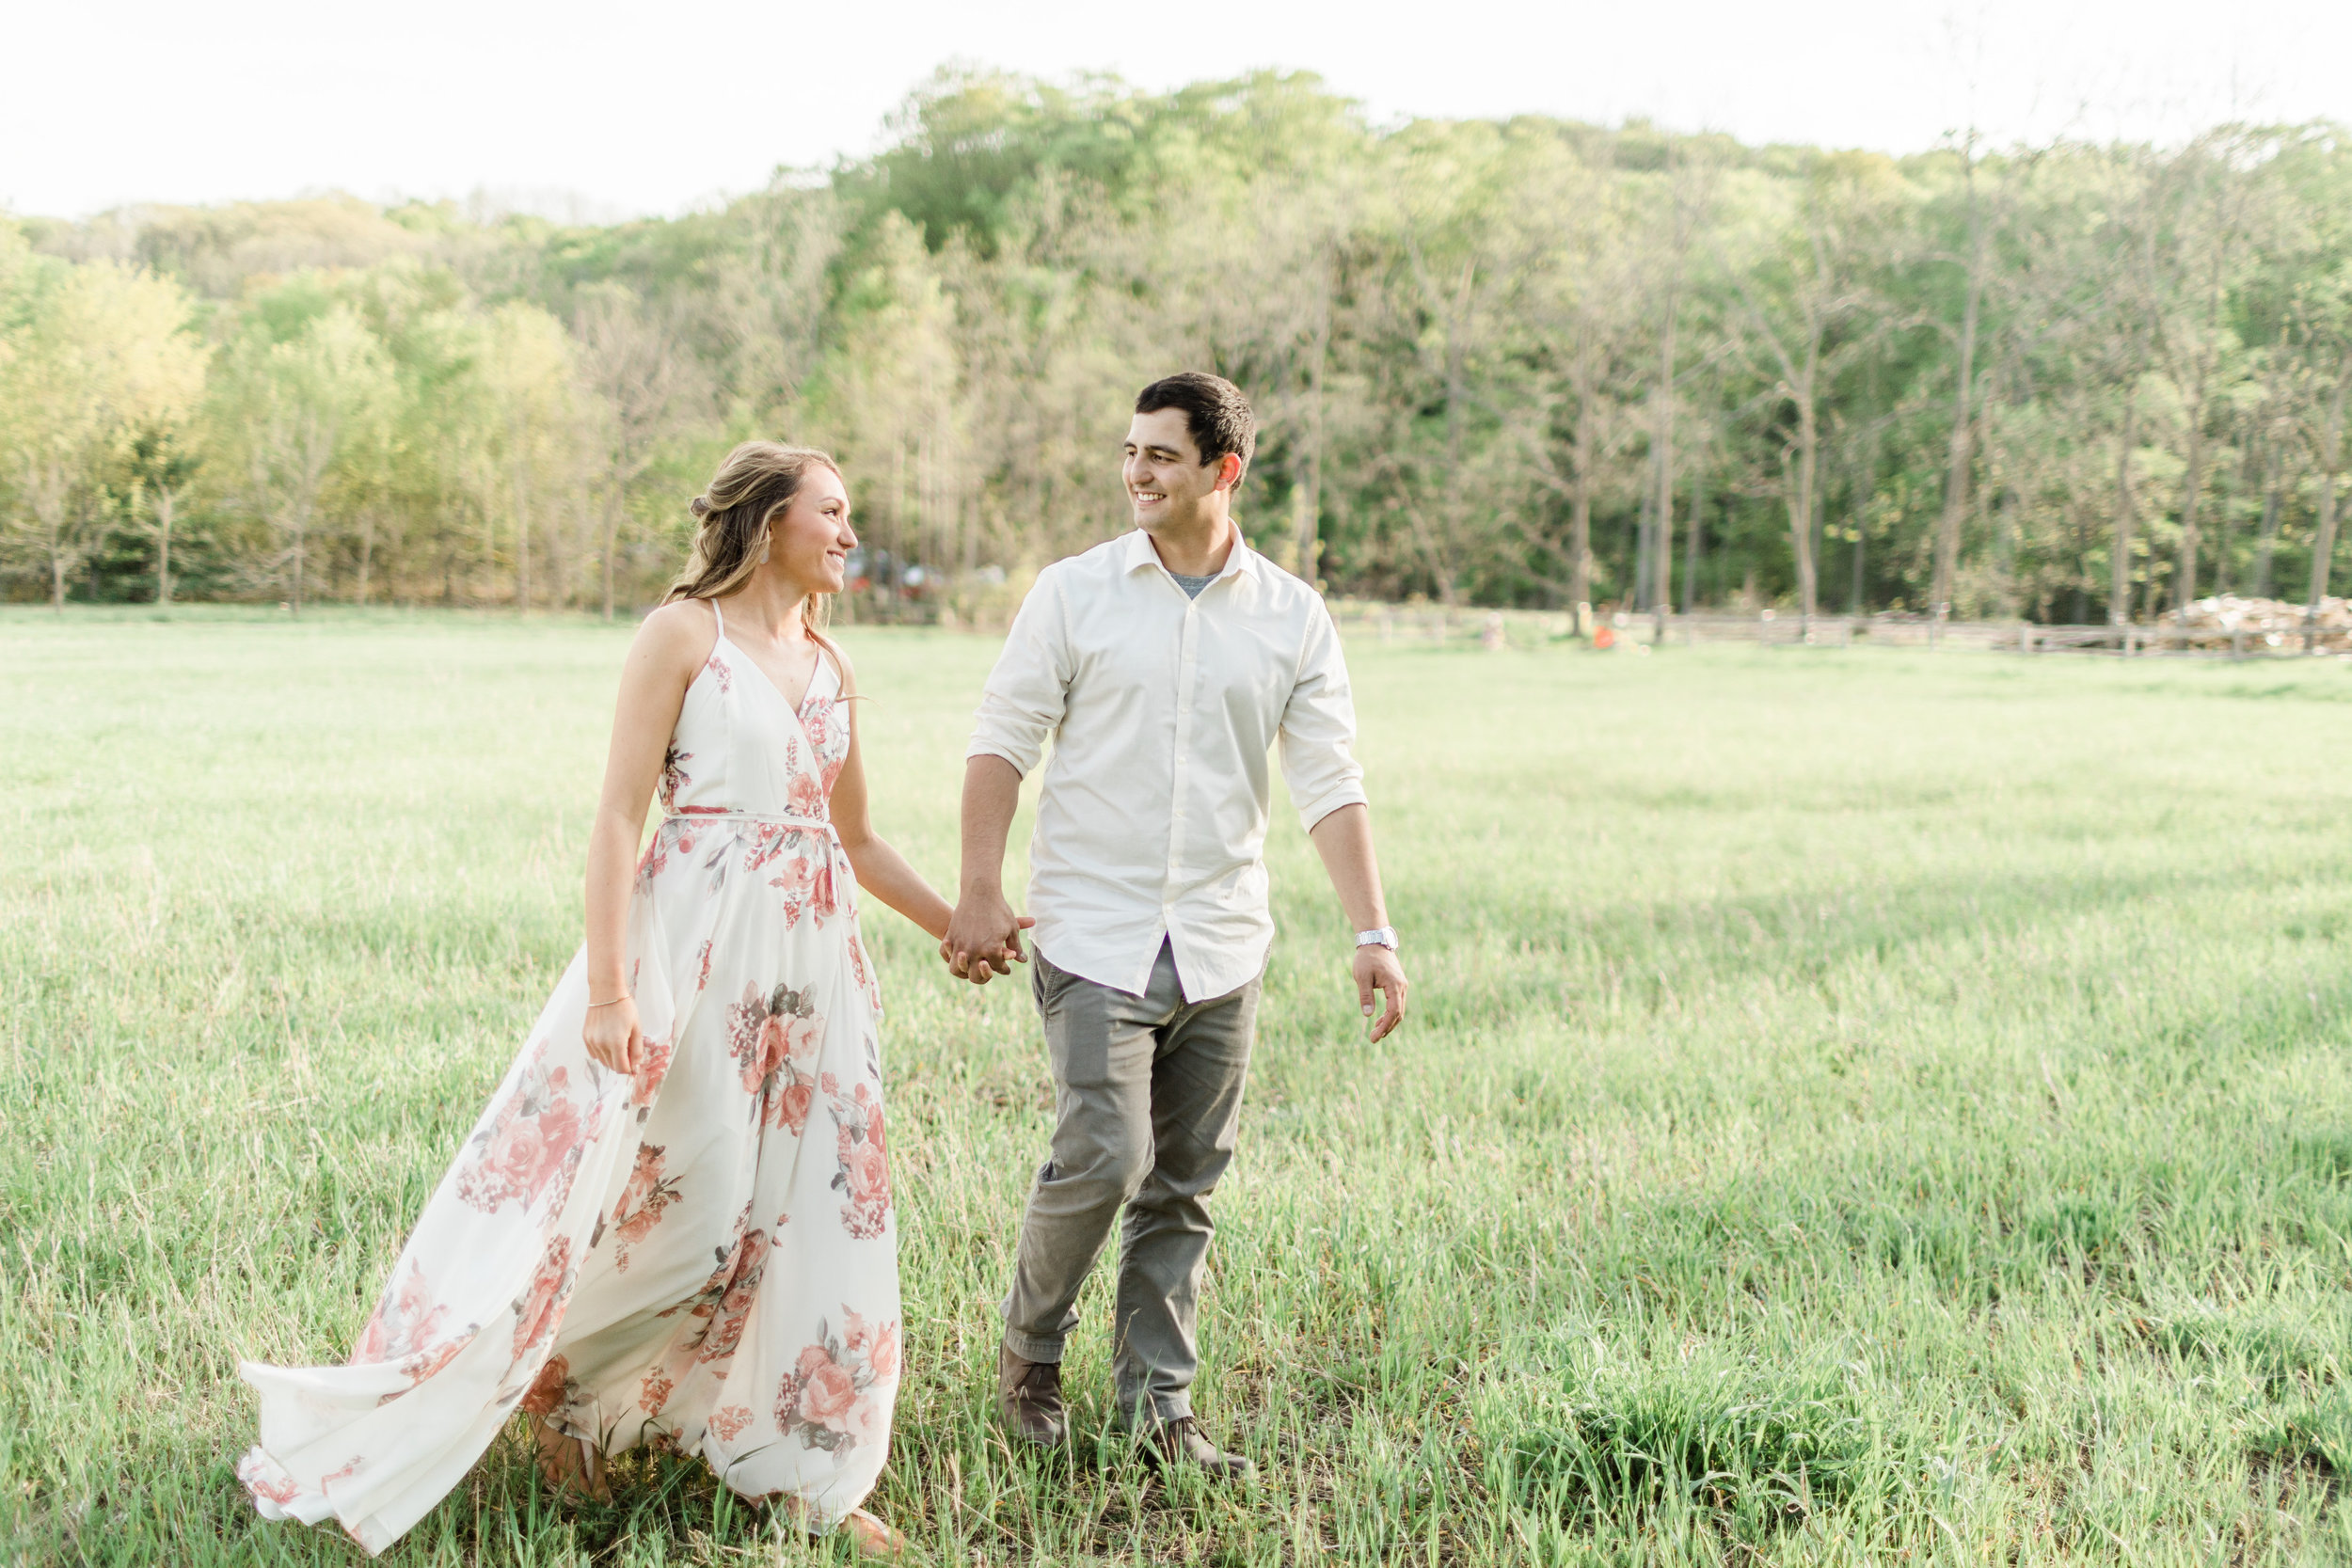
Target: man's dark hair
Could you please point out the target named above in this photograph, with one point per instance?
(1217, 415)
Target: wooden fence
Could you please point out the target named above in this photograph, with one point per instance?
(1372, 620)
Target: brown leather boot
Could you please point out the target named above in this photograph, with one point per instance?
(1180, 1442)
(1029, 1400)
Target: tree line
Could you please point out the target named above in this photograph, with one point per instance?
(1517, 362)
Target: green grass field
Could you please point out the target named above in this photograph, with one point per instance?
(1859, 1107)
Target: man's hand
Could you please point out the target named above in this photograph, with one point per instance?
(984, 936)
(1376, 969)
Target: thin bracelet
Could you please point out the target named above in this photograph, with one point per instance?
(614, 1003)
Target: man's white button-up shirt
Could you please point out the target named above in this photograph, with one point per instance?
(1162, 711)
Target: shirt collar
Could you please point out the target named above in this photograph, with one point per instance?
(1240, 558)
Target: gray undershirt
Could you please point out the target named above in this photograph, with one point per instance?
(1192, 586)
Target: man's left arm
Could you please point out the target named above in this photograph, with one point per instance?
(1343, 839)
(1327, 784)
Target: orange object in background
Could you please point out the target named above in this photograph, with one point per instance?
(1604, 638)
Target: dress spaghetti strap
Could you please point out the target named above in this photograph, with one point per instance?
(722, 619)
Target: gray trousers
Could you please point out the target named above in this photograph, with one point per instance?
(1147, 1098)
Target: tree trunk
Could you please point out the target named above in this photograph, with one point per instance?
(612, 539)
(1956, 457)
(1662, 513)
(1695, 548)
(166, 505)
(1866, 483)
(2225, 503)
(1800, 506)
(522, 540)
(1821, 520)
(1645, 537)
(2274, 480)
(2119, 577)
(1456, 400)
(1311, 511)
(1580, 503)
(2330, 453)
(2005, 548)
(2191, 486)
(367, 549)
(1853, 589)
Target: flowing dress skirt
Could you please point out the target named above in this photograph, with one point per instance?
(700, 1254)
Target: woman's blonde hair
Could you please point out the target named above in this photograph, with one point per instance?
(757, 480)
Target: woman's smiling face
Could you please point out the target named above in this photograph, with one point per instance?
(812, 532)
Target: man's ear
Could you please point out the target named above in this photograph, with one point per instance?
(1229, 471)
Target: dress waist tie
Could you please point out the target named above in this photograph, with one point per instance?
(769, 832)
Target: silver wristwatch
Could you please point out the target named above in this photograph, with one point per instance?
(1383, 936)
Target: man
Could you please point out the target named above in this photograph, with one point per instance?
(1164, 665)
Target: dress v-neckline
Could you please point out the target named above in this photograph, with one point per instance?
(808, 692)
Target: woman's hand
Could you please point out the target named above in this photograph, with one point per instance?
(611, 1036)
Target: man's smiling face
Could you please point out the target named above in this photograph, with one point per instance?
(1167, 482)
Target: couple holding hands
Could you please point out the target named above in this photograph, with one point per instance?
(673, 1223)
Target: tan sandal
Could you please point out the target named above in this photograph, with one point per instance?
(570, 1464)
(872, 1537)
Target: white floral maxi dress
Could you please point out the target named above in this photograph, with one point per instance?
(702, 1254)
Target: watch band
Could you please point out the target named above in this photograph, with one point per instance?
(1383, 937)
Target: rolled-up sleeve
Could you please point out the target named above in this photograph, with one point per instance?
(1023, 701)
(1318, 734)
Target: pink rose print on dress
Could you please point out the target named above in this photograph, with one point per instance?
(864, 1175)
(531, 1148)
(805, 878)
(865, 976)
(655, 1391)
(808, 796)
(540, 1308)
(718, 667)
(406, 1327)
(775, 1041)
(832, 744)
(653, 1065)
(729, 1420)
(829, 1397)
(725, 1300)
(733, 1309)
(806, 882)
(404, 1322)
(639, 1210)
(768, 840)
(265, 1480)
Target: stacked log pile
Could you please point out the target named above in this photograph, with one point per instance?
(2227, 621)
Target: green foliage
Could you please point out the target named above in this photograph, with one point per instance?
(1483, 351)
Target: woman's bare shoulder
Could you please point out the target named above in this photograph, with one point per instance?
(678, 636)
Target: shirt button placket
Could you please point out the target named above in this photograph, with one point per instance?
(1184, 676)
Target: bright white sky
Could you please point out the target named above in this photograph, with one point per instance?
(618, 109)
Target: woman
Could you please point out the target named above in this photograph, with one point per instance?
(672, 1223)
